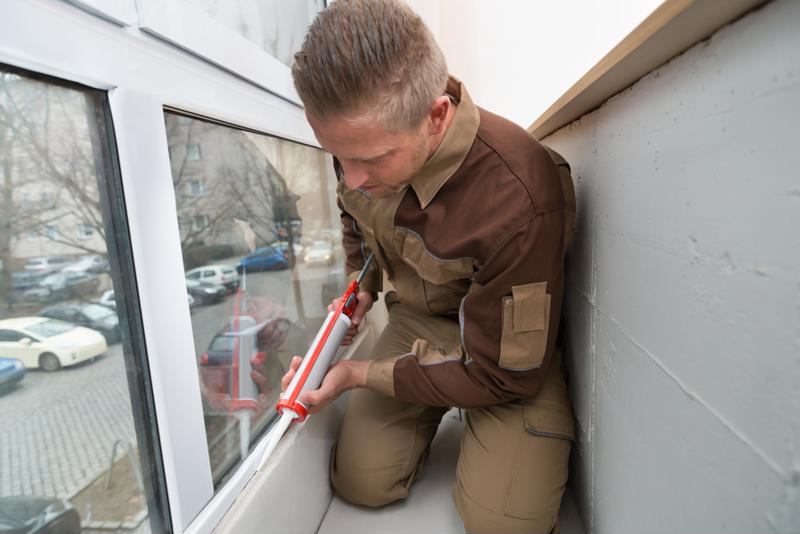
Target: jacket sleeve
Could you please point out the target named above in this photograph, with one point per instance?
(509, 322)
(356, 252)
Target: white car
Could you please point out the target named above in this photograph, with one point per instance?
(223, 275)
(92, 263)
(39, 342)
(46, 264)
(108, 299)
(319, 253)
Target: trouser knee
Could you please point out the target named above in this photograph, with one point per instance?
(369, 488)
(478, 518)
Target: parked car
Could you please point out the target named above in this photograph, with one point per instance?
(283, 247)
(22, 280)
(95, 316)
(205, 293)
(11, 372)
(69, 284)
(25, 514)
(263, 259)
(47, 264)
(223, 275)
(108, 299)
(40, 342)
(93, 263)
(319, 253)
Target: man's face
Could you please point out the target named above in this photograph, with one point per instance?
(374, 159)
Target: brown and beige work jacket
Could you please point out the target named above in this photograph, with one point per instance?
(478, 234)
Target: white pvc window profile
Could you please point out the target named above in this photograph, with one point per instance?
(75, 45)
(122, 12)
(190, 28)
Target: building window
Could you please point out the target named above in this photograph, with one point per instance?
(84, 231)
(199, 222)
(197, 188)
(47, 200)
(266, 191)
(52, 233)
(193, 152)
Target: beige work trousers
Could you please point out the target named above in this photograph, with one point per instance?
(512, 466)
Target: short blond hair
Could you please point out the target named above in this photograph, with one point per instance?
(373, 56)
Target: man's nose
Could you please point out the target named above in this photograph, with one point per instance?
(355, 175)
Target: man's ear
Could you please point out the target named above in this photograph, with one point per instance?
(437, 118)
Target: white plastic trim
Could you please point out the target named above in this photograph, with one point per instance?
(188, 27)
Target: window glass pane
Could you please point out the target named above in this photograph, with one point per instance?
(268, 201)
(68, 437)
(277, 26)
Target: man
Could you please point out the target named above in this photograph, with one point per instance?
(465, 214)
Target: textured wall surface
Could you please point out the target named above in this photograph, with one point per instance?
(683, 297)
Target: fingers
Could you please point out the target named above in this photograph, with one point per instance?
(350, 335)
(363, 305)
(334, 304)
(293, 366)
(259, 378)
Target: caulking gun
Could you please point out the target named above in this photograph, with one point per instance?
(316, 361)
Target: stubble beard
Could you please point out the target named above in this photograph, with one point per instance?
(417, 161)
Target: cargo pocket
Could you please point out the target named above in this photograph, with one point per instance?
(526, 319)
(541, 462)
(549, 418)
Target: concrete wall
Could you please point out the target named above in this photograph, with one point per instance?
(517, 56)
(683, 297)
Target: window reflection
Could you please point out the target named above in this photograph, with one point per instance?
(68, 442)
(259, 248)
(277, 26)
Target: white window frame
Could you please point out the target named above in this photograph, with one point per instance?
(122, 12)
(189, 27)
(75, 45)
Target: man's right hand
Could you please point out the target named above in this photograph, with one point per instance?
(364, 303)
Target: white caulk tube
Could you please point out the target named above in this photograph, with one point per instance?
(307, 378)
(313, 369)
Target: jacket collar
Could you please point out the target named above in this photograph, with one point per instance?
(453, 149)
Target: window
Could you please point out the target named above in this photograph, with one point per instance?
(199, 222)
(277, 27)
(197, 188)
(254, 239)
(46, 200)
(70, 427)
(85, 231)
(255, 39)
(10, 336)
(193, 152)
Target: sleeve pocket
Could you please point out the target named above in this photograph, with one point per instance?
(526, 319)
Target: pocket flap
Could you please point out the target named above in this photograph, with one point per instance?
(530, 301)
(545, 417)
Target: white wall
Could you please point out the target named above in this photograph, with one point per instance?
(683, 295)
(517, 57)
